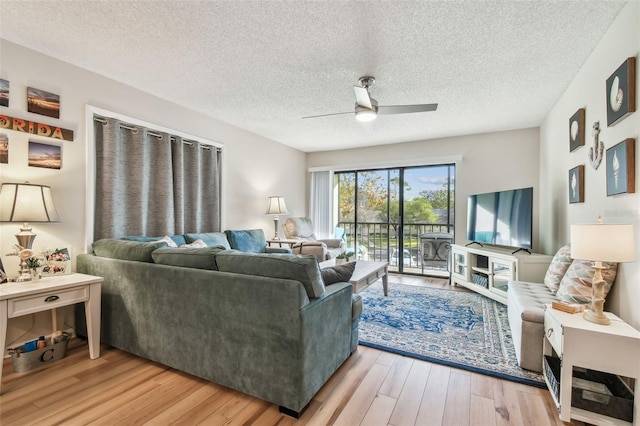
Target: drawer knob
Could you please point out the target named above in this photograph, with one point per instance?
(549, 332)
(51, 299)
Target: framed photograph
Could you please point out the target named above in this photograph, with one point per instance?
(4, 149)
(57, 261)
(621, 168)
(621, 92)
(4, 92)
(576, 130)
(576, 184)
(45, 155)
(43, 103)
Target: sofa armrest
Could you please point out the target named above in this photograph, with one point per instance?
(333, 242)
(277, 250)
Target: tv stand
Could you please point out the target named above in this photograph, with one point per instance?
(488, 270)
(521, 249)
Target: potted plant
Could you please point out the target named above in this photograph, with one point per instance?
(344, 257)
(34, 264)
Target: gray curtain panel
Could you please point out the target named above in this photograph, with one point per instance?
(152, 183)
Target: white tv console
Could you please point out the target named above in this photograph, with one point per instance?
(487, 270)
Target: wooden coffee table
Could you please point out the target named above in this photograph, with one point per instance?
(365, 274)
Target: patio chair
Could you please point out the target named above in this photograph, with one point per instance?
(434, 249)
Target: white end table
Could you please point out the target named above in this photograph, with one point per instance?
(17, 299)
(611, 348)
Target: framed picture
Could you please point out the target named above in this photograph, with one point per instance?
(576, 130)
(43, 103)
(621, 168)
(4, 149)
(4, 92)
(576, 184)
(621, 92)
(45, 155)
(57, 262)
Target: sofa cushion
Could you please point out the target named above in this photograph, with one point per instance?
(558, 267)
(177, 239)
(338, 273)
(211, 239)
(528, 299)
(575, 286)
(301, 268)
(126, 250)
(247, 240)
(199, 258)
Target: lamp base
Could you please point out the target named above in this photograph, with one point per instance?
(275, 225)
(597, 318)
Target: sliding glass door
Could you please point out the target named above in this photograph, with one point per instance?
(388, 214)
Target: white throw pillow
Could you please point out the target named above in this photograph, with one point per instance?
(167, 239)
(196, 244)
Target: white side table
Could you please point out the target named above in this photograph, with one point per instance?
(611, 348)
(17, 299)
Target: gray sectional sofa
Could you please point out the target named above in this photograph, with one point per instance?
(263, 324)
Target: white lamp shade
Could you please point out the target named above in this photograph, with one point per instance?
(24, 202)
(603, 242)
(277, 205)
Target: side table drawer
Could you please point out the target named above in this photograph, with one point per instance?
(553, 331)
(42, 302)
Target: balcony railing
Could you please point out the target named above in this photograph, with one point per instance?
(381, 242)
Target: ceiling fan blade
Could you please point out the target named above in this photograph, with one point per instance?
(362, 97)
(328, 115)
(406, 109)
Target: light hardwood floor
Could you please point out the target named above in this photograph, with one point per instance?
(371, 388)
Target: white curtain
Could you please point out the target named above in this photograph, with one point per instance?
(320, 206)
(153, 183)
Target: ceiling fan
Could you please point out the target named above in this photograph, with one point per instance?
(367, 108)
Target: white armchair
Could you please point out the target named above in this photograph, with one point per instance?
(301, 229)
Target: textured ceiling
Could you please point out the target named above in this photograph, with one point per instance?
(262, 65)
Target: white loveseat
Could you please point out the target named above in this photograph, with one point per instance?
(566, 279)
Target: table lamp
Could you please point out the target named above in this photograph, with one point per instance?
(25, 202)
(599, 243)
(276, 207)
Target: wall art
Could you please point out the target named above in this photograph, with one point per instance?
(34, 128)
(576, 184)
(621, 168)
(4, 149)
(45, 155)
(621, 92)
(576, 130)
(43, 103)
(596, 152)
(4, 92)
(57, 262)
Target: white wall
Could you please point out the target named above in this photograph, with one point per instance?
(255, 167)
(588, 91)
(489, 162)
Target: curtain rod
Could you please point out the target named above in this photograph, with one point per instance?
(157, 135)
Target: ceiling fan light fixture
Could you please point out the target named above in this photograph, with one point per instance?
(365, 114)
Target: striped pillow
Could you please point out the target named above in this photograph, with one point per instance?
(558, 268)
(575, 286)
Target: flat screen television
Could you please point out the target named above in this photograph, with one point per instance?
(503, 218)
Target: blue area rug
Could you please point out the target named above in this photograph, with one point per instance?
(455, 328)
